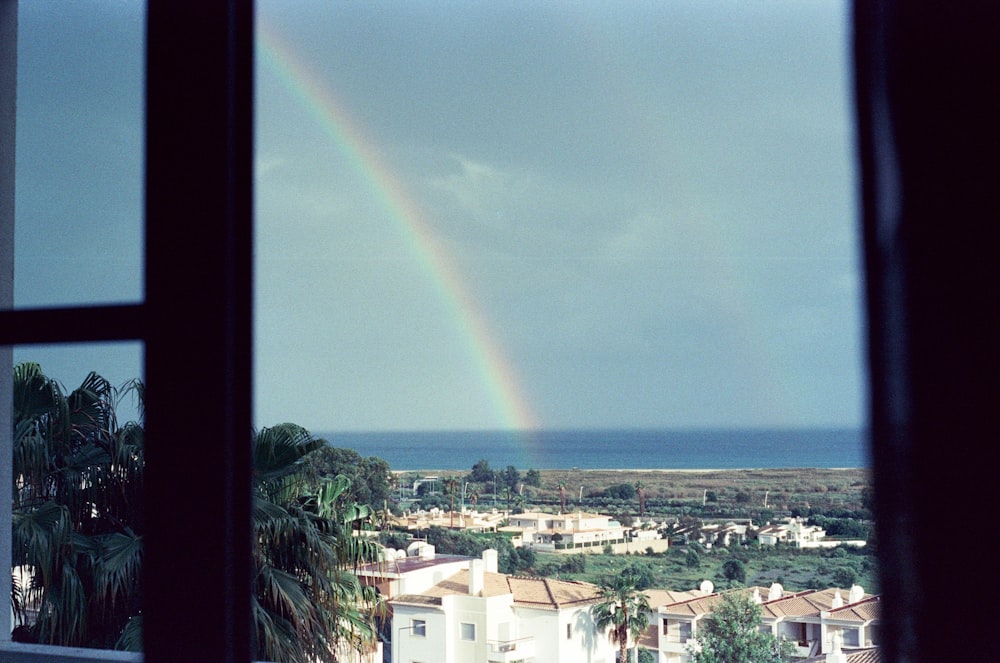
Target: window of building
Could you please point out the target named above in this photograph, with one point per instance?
(467, 631)
(569, 631)
(418, 627)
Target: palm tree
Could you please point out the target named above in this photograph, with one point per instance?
(77, 512)
(640, 490)
(562, 497)
(308, 603)
(77, 530)
(624, 610)
(451, 487)
(508, 493)
(474, 496)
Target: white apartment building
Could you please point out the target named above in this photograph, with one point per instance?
(411, 571)
(481, 616)
(811, 620)
(568, 532)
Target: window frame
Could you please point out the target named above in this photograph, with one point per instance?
(198, 215)
(461, 631)
(926, 119)
(418, 628)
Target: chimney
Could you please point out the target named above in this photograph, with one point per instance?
(857, 593)
(836, 655)
(838, 600)
(427, 551)
(491, 560)
(775, 592)
(476, 577)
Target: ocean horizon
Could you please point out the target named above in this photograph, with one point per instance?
(612, 449)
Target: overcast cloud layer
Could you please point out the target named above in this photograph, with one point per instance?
(651, 204)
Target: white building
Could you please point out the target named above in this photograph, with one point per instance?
(811, 620)
(481, 616)
(797, 533)
(568, 532)
(401, 573)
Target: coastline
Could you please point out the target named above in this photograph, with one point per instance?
(783, 489)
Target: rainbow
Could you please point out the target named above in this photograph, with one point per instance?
(494, 369)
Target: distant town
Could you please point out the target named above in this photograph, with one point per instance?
(500, 565)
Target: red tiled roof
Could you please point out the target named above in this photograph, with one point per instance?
(529, 592)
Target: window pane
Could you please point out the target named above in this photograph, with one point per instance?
(77, 466)
(510, 216)
(78, 229)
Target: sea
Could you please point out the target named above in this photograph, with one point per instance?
(645, 449)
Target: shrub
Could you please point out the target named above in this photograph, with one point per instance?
(692, 559)
(734, 570)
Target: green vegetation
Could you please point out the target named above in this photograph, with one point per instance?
(731, 633)
(623, 610)
(684, 567)
(77, 511)
(78, 530)
(307, 601)
(458, 542)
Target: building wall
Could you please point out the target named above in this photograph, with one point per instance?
(549, 627)
(433, 648)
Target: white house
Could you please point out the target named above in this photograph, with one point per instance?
(813, 621)
(481, 616)
(401, 573)
(569, 532)
(799, 534)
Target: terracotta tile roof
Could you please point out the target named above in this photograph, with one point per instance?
(658, 597)
(803, 604)
(702, 605)
(865, 610)
(529, 592)
(869, 655)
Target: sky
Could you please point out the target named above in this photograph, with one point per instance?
(480, 215)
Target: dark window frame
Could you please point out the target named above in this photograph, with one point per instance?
(928, 138)
(196, 323)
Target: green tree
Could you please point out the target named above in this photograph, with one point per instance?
(307, 603)
(731, 634)
(371, 477)
(620, 491)
(640, 575)
(640, 490)
(734, 571)
(511, 477)
(533, 478)
(623, 610)
(692, 559)
(77, 513)
(77, 530)
(451, 485)
(481, 472)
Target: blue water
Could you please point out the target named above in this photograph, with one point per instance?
(612, 449)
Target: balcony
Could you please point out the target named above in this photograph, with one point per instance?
(506, 651)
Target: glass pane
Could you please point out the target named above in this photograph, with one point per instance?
(77, 466)
(78, 229)
(482, 216)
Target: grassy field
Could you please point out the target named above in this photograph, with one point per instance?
(794, 569)
(782, 488)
